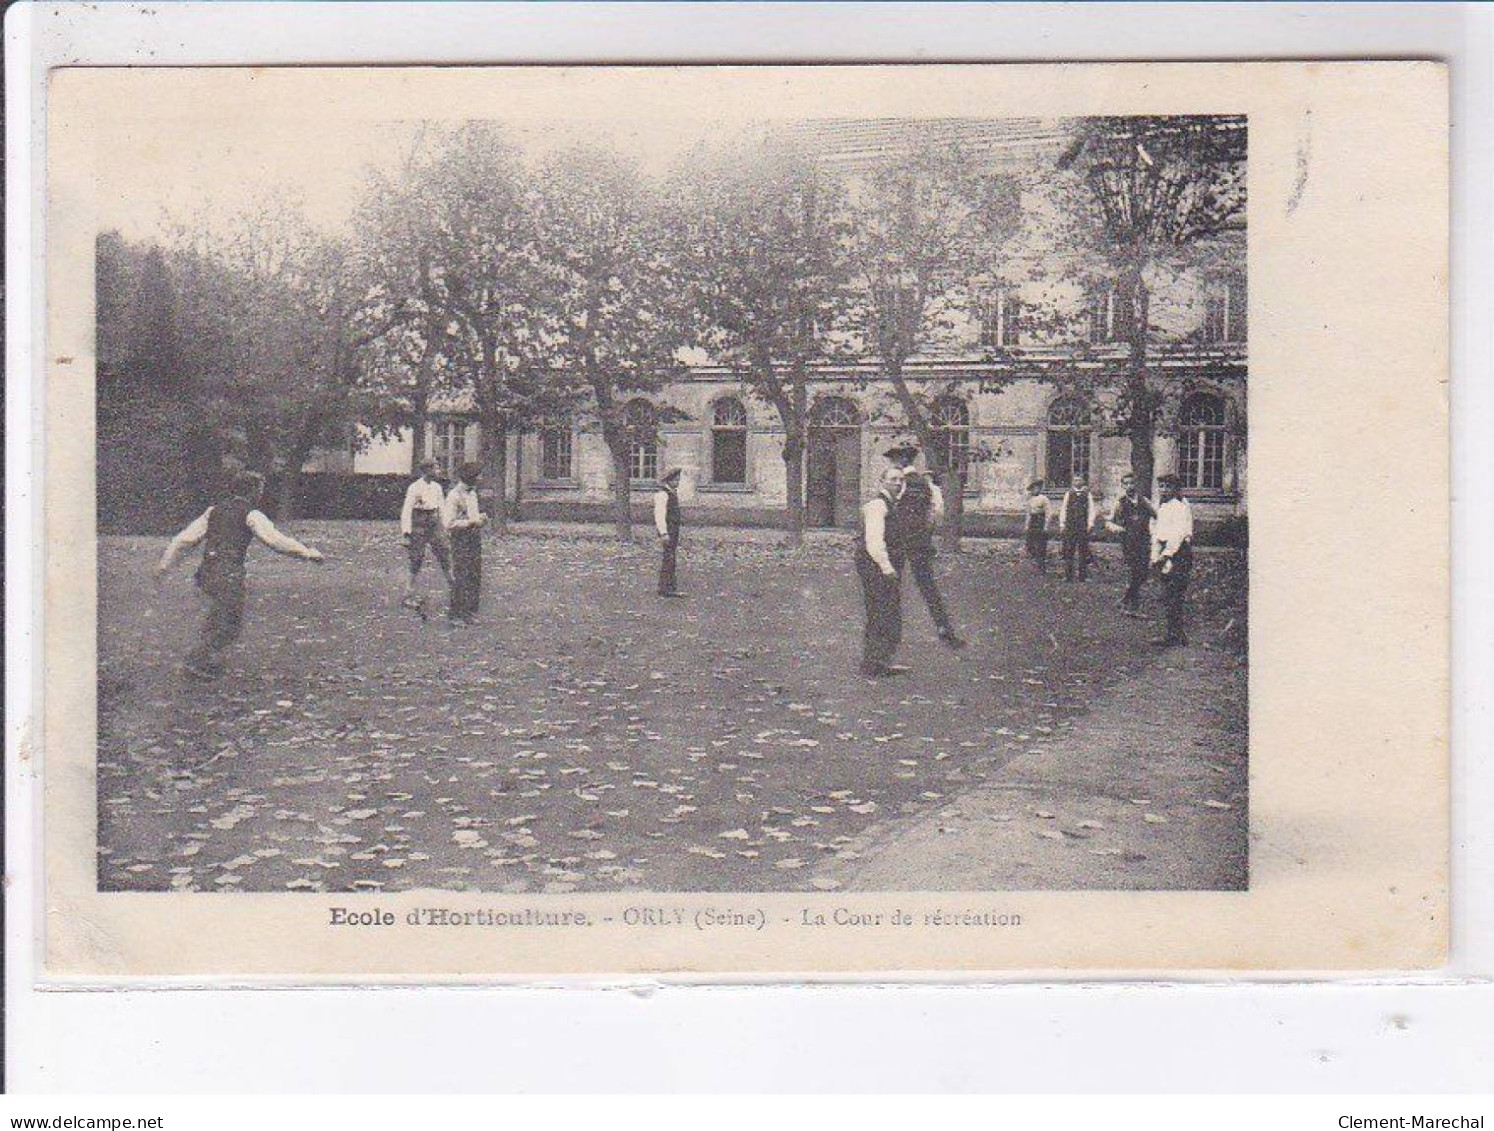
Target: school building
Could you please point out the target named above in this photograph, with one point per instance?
(1016, 394)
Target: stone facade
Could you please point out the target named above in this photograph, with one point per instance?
(1010, 433)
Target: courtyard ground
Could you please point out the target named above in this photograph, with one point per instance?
(585, 735)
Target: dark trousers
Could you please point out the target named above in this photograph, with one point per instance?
(224, 622)
(921, 562)
(1174, 587)
(668, 562)
(1037, 546)
(1075, 545)
(426, 530)
(466, 572)
(1138, 565)
(884, 612)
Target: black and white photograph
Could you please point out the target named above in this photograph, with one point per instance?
(565, 505)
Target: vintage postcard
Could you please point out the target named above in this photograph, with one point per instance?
(773, 522)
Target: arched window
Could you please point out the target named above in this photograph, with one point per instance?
(1070, 430)
(834, 412)
(729, 441)
(643, 441)
(1202, 438)
(950, 421)
(556, 449)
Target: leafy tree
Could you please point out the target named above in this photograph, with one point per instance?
(275, 329)
(472, 267)
(1150, 195)
(156, 462)
(926, 223)
(615, 294)
(766, 232)
(394, 244)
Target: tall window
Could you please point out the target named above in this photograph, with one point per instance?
(448, 446)
(1001, 320)
(1102, 314)
(729, 441)
(1109, 314)
(1202, 439)
(643, 441)
(1225, 310)
(1070, 429)
(555, 450)
(950, 421)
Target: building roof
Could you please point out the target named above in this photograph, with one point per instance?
(857, 143)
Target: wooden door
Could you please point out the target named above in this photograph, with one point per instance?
(847, 478)
(819, 479)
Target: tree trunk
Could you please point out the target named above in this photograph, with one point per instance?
(954, 511)
(519, 476)
(1143, 402)
(290, 483)
(495, 471)
(622, 493)
(793, 469)
(417, 435)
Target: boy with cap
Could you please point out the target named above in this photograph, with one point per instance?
(1132, 520)
(910, 536)
(667, 523)
(1172, 554)
(1076, 517)
(463, 519)
(420, 526)
(225, 531)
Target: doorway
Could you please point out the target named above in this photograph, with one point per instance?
(832, 487)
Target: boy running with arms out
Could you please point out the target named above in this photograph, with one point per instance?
(225, 531)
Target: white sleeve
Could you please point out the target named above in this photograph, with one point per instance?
(876, 534)
(938, 505)
(265, 531)
(661, 513)
(196, 530)
(1063, 514)
(409, 507)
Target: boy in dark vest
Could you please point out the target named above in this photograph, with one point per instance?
(881, 582)
(1076, 516)
(911, 539)
(1132, 520)
(667, 523)
(225, 531)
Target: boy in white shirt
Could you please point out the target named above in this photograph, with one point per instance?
(462, 516)
(420, 526)
(881, 581)
(1172, 555)
(667, 523)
